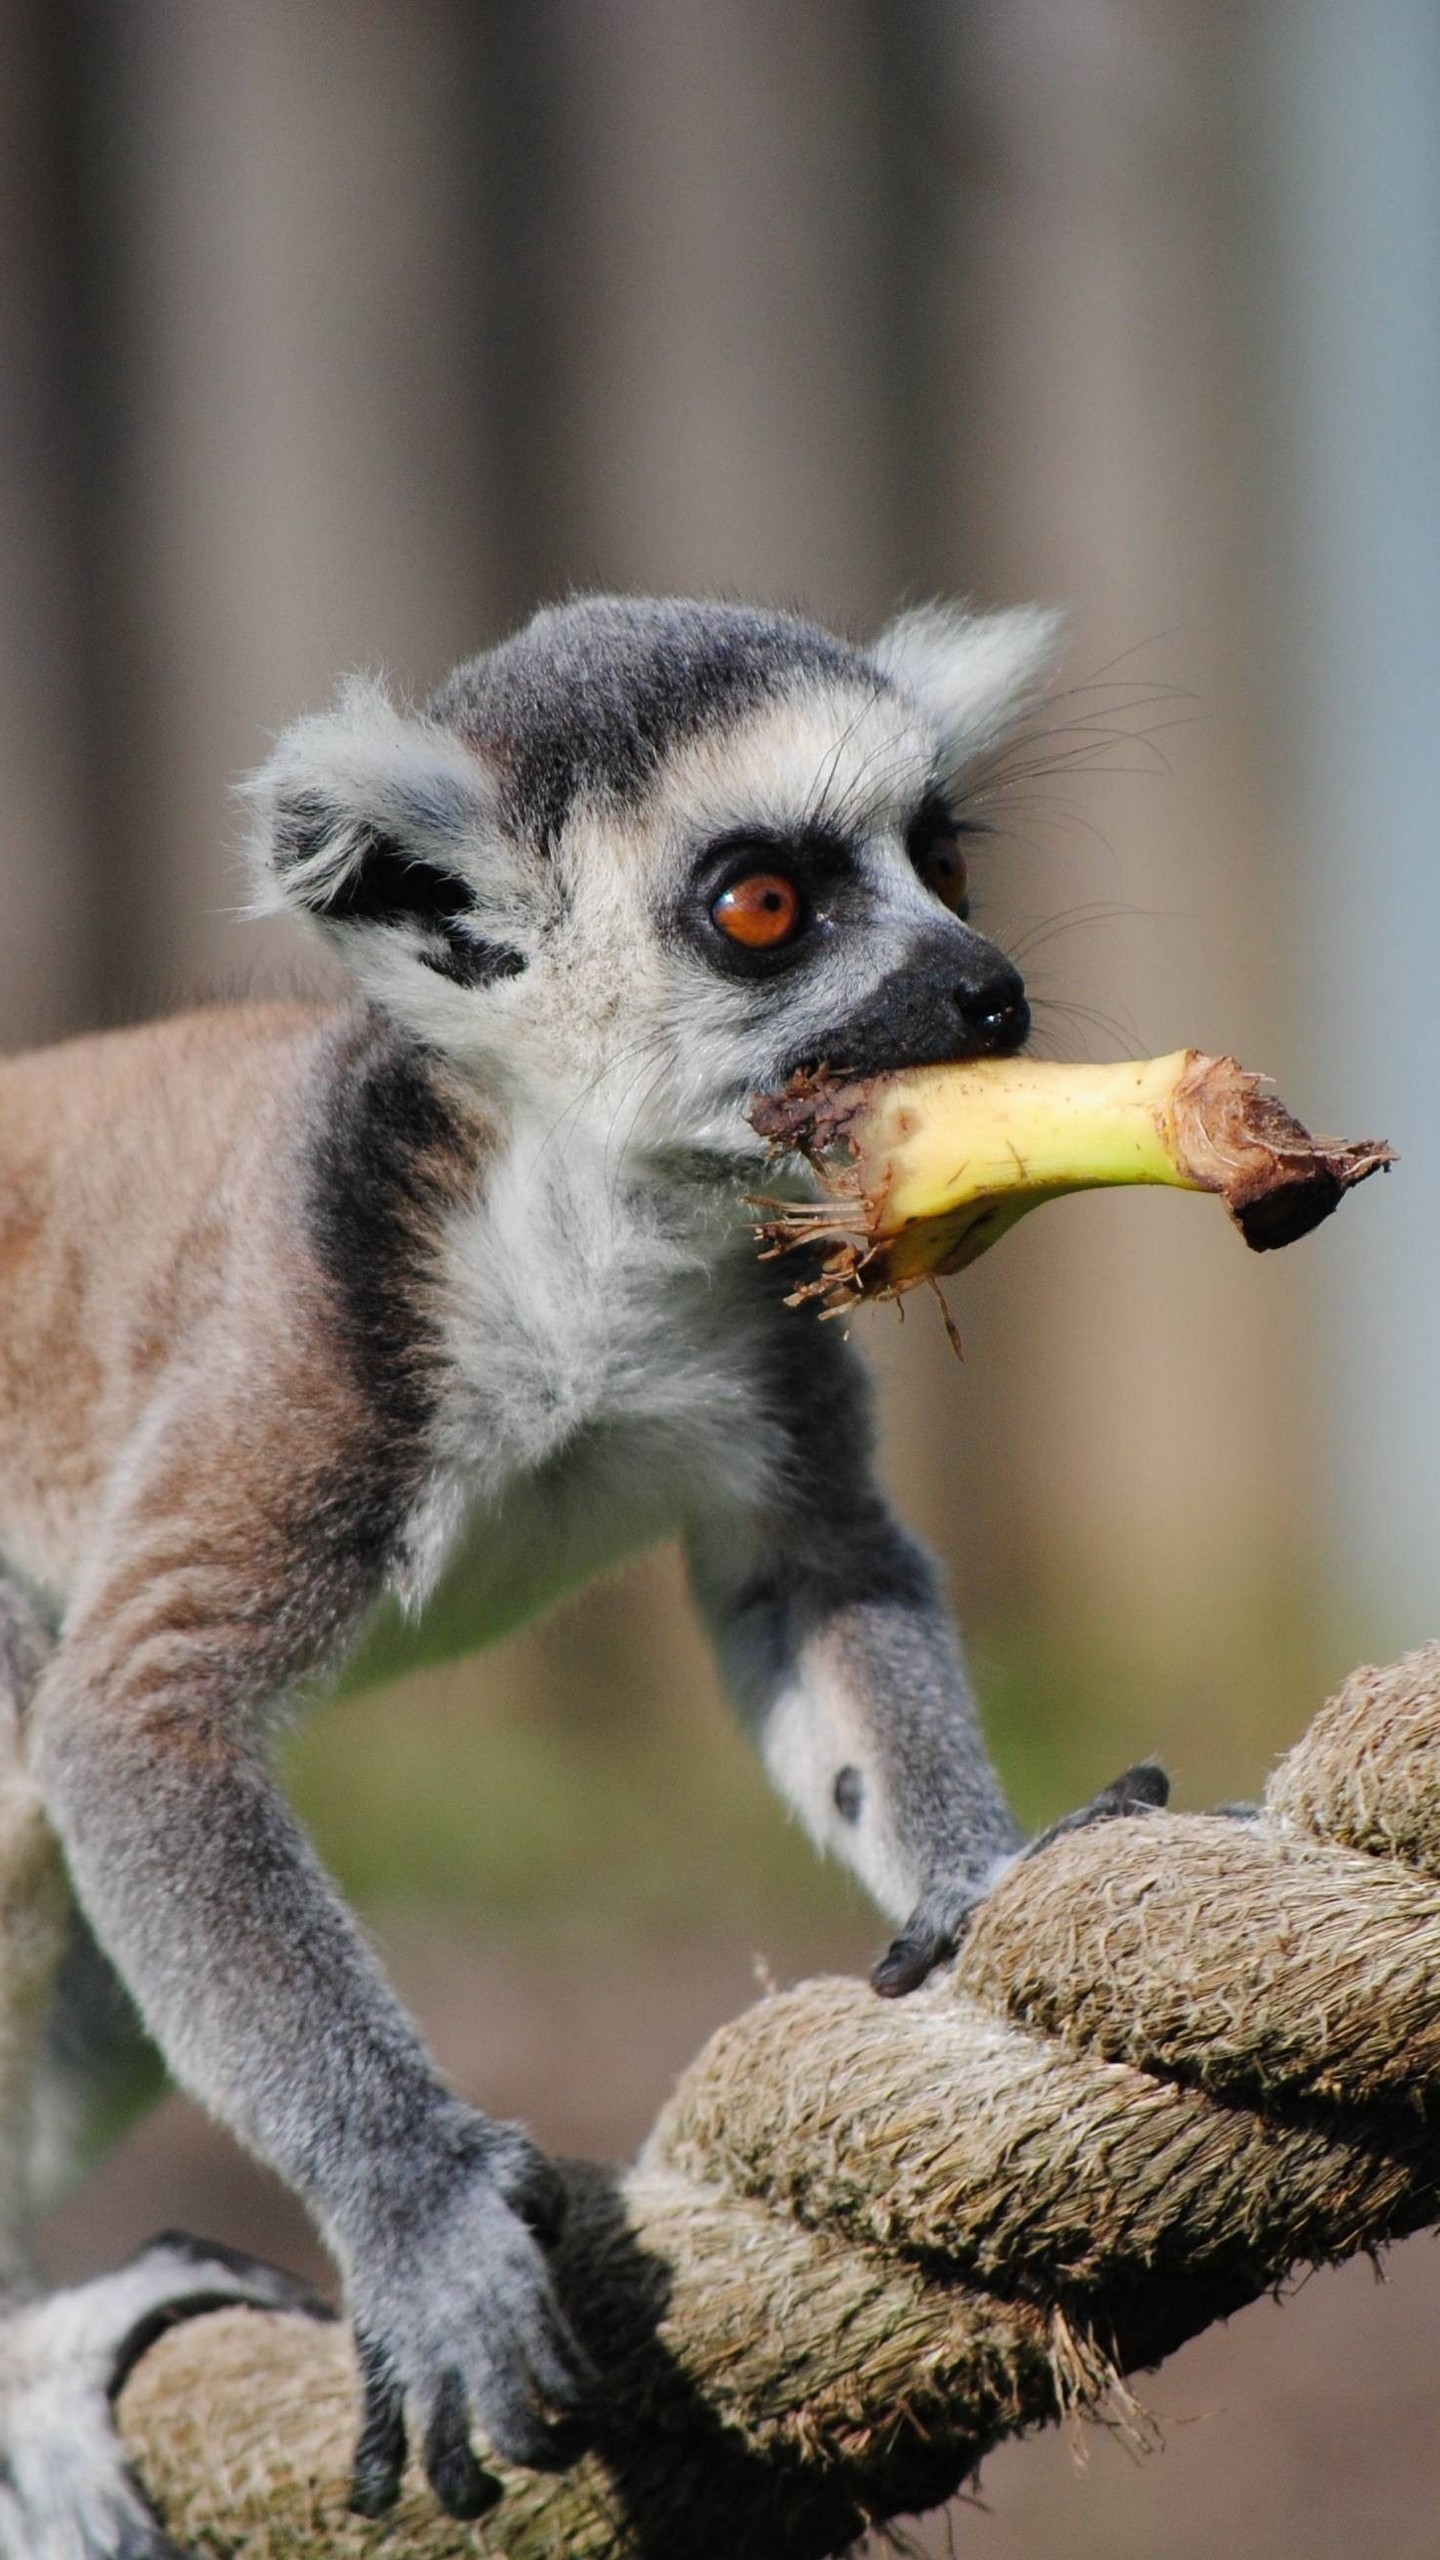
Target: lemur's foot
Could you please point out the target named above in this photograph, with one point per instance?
(937, 1925)
(66, 2489)
(457, 2324)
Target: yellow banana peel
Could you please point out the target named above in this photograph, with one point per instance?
(923, 1171)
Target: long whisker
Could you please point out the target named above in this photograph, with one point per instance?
(819, 797)
(1092, 1018)
(1047, 929)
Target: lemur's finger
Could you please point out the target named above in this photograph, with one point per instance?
(557, 2368)
(911, 1958)
(926, 1940)
(532, 2187)
(518, 2427)
(930, 1937)
(463, 2487)
(560, 2370)
(380, 2447)
(902, 1968)
(1143, 1789)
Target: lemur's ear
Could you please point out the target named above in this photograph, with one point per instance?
(976, 673)
(381, 826)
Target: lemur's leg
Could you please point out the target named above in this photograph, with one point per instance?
(65, 2490)
(226, 1576)
(842, 1656)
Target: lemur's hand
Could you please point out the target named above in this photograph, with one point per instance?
(456, 2319)
(939, 1921)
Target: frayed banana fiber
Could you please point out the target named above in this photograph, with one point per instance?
(925, 1170)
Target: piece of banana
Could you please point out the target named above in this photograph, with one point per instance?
(925, 1170)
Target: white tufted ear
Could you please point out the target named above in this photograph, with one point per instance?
(383, 828)
(975, 673)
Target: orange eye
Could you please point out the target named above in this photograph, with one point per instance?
(943, 868)
(762, 911)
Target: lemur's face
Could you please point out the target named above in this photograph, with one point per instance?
(645, 859)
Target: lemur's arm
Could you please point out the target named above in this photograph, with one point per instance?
(839, 1649)
(236, 1559)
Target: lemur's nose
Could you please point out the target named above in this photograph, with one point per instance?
(995, 1014)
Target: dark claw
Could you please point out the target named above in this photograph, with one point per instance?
(930, 1935)
(902, 1968)
(1143, 1789)
(459, 2482)
(909, 1960)
(380, 2451)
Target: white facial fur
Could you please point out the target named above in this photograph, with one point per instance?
(677, 1043)
(614, 1020)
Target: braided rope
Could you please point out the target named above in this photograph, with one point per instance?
(1178, 2058)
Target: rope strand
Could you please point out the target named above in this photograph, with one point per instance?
(1178, 2058)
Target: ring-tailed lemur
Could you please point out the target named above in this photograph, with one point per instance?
(448, 1296)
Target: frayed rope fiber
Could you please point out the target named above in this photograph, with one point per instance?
(1178, 2057)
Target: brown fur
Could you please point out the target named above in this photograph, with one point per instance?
(137, 1200)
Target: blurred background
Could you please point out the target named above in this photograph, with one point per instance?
(342, 334)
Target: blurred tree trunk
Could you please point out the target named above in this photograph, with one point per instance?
(49, 858)
(1132, 1426)
(300, 474)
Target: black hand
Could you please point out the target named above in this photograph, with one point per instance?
(1143, 1789)
(380, 2450)
(938, 1923)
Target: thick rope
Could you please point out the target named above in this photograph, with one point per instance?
(1178, 2058)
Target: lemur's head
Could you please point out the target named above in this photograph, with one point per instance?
(648, 857)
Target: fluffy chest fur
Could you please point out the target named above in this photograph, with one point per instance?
(607, 1347)
(579, 1292)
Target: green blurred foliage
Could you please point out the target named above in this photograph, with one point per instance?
(1214, 1693)
(587, 1772)
(584, 1772)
